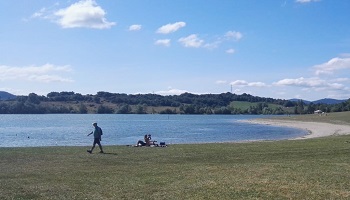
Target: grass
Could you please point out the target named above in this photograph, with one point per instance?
(335, 118)
(302, 169)
(244, 105)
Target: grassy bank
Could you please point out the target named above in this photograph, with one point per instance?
(300, 169)
(335, 118)
(307, 169)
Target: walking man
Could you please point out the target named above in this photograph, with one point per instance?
(97, 138)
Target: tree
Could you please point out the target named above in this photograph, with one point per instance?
(140, 109)
(104, 110)
(311, 108)
(124, 109)
(82, 109)
(33, 98)
(300, 107)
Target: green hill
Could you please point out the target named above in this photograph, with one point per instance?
(187, 103)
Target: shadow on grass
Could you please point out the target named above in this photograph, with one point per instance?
(109, 153)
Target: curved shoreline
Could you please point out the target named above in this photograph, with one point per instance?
(315, 129)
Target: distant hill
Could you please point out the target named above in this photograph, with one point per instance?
(321, 101)
(6, 95)
(329, 101)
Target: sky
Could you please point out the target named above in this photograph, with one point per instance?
(281, 49)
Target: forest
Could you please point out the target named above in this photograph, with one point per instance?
(186, 103)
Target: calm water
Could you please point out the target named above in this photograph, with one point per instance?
(71, 129)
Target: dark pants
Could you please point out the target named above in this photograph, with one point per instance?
(97, 141)
(141, 143)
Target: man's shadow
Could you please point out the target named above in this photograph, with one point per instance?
(110, 153)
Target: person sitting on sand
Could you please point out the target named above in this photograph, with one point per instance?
(142, 143)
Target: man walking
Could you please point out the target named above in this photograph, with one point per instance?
(97, 138)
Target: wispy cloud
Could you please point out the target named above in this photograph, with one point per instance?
(221, 82)
(301, 82)
(170, 28)
(235, 35)
(82, 14)
(135, 27)
(306, 1)
(191, 41)
(163, 42)
(230, 51)
(45, 73)
(315, 83)
(195, 41)
(332, 66)
(243, 83)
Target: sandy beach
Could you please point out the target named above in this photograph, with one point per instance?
(315, 129)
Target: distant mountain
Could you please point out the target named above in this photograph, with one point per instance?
(329, 101)
(321, 101)
(6, 95)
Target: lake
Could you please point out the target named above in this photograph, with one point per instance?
(72, 129)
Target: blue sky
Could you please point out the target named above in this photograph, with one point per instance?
(272, 48)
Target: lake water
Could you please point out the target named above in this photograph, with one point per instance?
(71, 129)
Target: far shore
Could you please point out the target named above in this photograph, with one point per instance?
(315, 129)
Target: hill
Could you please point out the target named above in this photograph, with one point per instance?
(328, 101)
(6, 96)
(186, 103)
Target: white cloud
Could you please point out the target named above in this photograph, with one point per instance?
(230, 51)
(332, 65)
(191, 41)
(39, 13)
(228, 36)
(83, 14)
(301, 82)
(243, 83)
(212, 45)
(306, 1)
(45, 73)
(313, 83)
(170, 28)
(135, 27)
(239, 83)
(341, 80)
(164, 42)
(171, 92)
(234, 35)
(257, 84)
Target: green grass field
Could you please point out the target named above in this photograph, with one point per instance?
(302, 169)
(335, 118)
(244, 105)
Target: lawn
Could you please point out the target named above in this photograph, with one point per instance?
(335, 118)
(301, 169)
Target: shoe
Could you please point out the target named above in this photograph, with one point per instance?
(89, 151)
(102, 152)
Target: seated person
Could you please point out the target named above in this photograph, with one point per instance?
(142, 143)
(148, 142)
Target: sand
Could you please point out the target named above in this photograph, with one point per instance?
(315, 129)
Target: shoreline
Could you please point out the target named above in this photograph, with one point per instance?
(315, 129)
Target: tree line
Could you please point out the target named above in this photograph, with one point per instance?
(186, 103)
